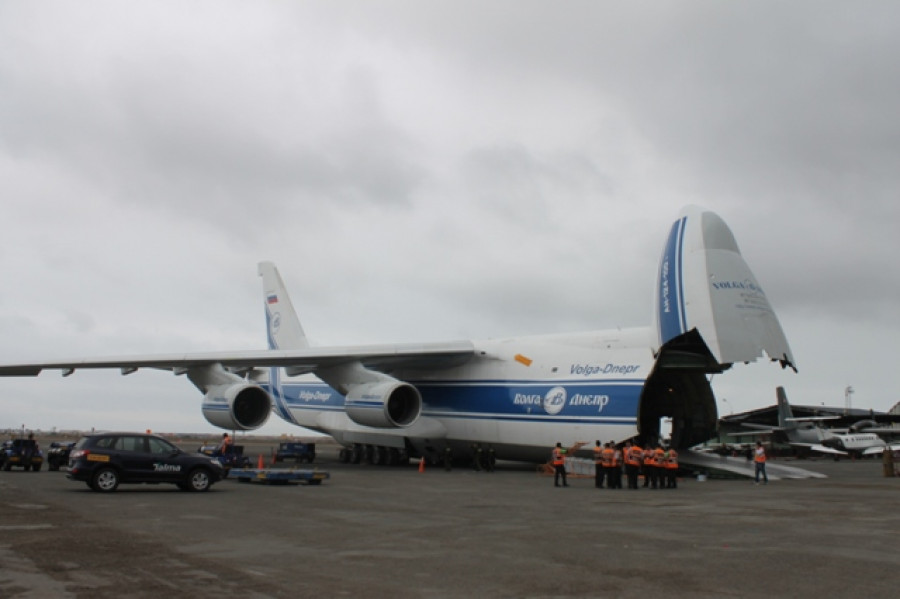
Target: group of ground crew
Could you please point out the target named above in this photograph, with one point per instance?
(657, 464)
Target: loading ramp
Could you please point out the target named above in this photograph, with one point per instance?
(739, 467)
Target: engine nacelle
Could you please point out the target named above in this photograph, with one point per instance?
(241, 406)
(861, 426)
(384, 404)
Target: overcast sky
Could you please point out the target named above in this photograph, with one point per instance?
(426, 171)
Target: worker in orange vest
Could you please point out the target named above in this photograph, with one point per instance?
(649, 466)
(559, 465)
(759, 457)
(633, 456)
(659, 463)
(607, 458)
(598, 466)
(671, 468)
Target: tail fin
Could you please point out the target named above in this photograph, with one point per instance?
(785, 414)
(705, 285)
(284, 330)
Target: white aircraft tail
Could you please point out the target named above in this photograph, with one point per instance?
(704, 285)
(284, 329)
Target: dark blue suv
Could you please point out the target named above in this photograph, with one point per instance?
(107, 459)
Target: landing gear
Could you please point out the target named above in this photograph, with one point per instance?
(376, 455)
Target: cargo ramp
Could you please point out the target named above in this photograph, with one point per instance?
(714, 464)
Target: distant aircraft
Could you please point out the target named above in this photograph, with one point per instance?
(517, 397)
(807, 433)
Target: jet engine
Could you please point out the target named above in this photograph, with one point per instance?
(861, 425)
(240, 406)
(384, 404)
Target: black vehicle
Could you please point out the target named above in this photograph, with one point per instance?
(105, 460)
(24, 453)
(298, 452)
(58, 454)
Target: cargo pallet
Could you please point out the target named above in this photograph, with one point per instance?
(273, 476)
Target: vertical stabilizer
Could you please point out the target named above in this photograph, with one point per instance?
(704, 284)
(785, 414)
(284, 330)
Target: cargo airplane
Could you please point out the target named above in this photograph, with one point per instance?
(516, 396)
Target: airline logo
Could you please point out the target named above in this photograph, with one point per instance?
(592, 369)
(272, 298)
(274, 325)
(557, 398)
(308, 395)
(745, 285)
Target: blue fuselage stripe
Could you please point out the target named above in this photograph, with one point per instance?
(587, 402)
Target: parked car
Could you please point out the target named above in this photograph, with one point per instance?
(103, 461)
(22, 453)
(58, 454)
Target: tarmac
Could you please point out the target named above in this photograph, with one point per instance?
(373, 531)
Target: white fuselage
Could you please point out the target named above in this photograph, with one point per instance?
(521, 396)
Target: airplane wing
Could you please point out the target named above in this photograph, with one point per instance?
(878, 449)
(819, 448)
(753, 432)
(885, 430)
(812, 446)
(298, 361)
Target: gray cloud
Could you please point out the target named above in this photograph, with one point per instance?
(440, 170)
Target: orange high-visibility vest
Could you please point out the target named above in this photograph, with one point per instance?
(648, 457)
(607, 457)
(633, 456)
(760, 455)
(558, 457)
(672, 461)
(597, 451)
(659, 457)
